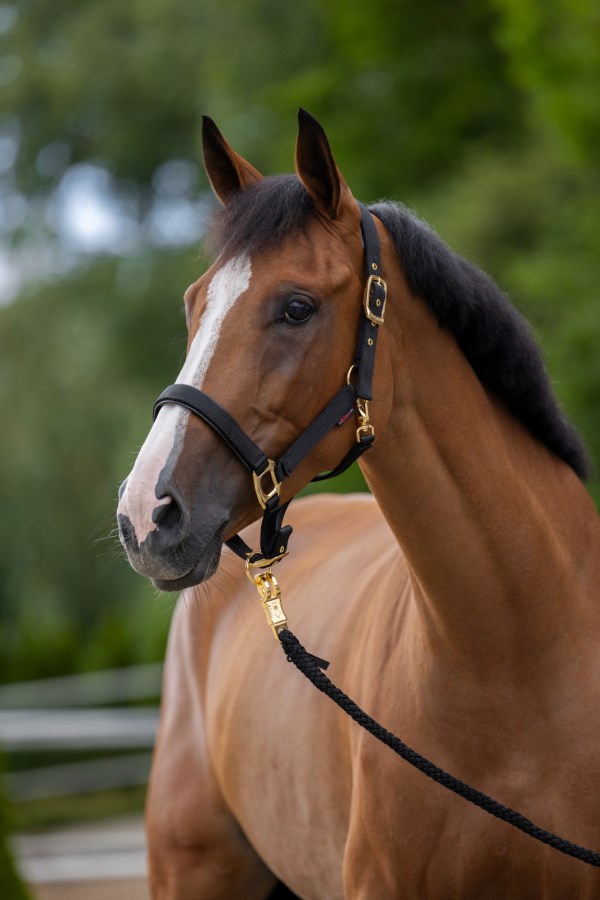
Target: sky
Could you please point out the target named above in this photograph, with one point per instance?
(89, 215)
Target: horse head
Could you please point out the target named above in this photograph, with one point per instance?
(272, 328)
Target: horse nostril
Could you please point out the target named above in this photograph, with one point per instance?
(167, 516)
(126, 531)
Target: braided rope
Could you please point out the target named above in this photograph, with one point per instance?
(306, 663)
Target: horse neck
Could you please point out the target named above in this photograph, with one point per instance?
(500, 536)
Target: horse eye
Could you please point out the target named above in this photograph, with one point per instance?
(298, 311)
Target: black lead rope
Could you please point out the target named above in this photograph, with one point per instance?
(307, 664)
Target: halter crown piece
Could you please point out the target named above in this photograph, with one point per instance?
(267, 473)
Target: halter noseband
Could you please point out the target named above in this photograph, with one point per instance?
(268, 474)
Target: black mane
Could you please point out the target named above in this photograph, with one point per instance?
(493, 336)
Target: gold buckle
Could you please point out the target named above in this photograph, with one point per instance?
(262, 495)
(373, 317)
(270, 597)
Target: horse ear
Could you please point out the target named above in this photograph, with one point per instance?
(316, 166)
(227, 171)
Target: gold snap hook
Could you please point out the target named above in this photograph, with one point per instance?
(364, 423)
(270, 597)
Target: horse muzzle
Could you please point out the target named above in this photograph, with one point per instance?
(183, 548)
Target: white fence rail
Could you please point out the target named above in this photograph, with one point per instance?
(111, 851)
(87, 740)
(79, 713)
(82, 729)
(104, 688)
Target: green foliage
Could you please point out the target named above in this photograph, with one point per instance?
(481, 114)
(553, 50)
(80, 363)
(405, 88)
(126, 83)
(54, 812)
(92, 73)
(11, 887)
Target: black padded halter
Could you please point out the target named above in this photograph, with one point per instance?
(274, 535)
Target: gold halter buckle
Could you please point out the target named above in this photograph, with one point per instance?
(376, 318)
(262, 495)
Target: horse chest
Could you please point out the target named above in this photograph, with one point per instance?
(337, 815)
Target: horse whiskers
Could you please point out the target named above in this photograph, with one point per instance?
(110, 536)
(100, 529)
(99, 535)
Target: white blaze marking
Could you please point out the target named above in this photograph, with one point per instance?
(166, 435)
(226, 286)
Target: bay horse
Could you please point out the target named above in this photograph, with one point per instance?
(458, 603)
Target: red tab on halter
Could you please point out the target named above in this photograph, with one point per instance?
(345, 417)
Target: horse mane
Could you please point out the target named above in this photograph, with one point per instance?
(494, 337)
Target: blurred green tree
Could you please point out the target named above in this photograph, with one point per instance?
(553, 52)
(79, 362)
(126, 84)
(481, 115)
(11, 886)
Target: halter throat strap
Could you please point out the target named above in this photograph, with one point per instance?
(267, 473)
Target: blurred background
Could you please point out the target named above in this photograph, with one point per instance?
(482, 115)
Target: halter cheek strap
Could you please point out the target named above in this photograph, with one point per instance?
(267, 473)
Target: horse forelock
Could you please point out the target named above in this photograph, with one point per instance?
(260, 217)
